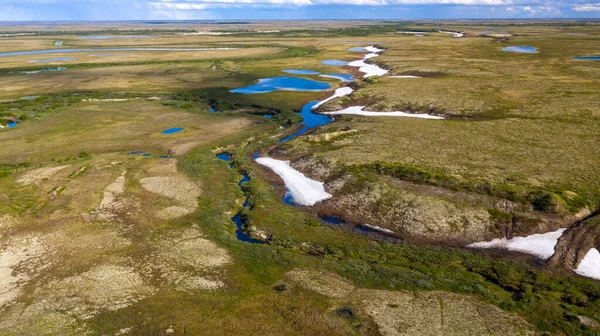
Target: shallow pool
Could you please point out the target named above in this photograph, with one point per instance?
(340, 76)
(586, 58)
(521, 49)
(334, 63)
(265, 85)
(301, 72)
(172, 130)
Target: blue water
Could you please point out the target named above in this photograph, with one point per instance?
(245, 178)
(29, 97)
(237, 219)
(239, 233)
(212, 110)
(48, 69)
(340, 76)
(107, 37)
(146, 154)
(164, 156)
(58, 44)
(268, 116)
(172, 130)
(57, 59)
(12, 124)
(358, 49)
(225, 157)
(521, 49)
(301, 72)
(310, 120)
(136, 153)
(283, 83)
(68, 51)
(327, 62)
(586, 58)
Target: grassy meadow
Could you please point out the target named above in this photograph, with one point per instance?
(94, 240)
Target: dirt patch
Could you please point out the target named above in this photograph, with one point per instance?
(183, 148)
(18, 263)
(188, 260)
(37, 175)
(176, 187)
(437, 313)
(109, 205)
(322, 283)
(173, 212)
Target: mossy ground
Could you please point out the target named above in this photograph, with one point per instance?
(62, 129)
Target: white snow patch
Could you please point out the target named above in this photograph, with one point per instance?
(304, 191)
(340, 92)
(358, 110)
(373, 49)
(454, 34)
(378, 228)
(368, 69)
(590, 265)
(406, 76)
(540, 245)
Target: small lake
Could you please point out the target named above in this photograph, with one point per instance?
(301, 72)
(58, 43)
(172, 130)
(358, 49)
(334, 62)
(310, 120)
(586, 58)
(57, 59)
(342, 77)
(68, 51)
(265, 85)
(11, 124)
(521, 49)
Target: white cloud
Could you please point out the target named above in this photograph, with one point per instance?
(587, 8)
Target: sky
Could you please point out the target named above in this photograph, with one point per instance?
(72, 10)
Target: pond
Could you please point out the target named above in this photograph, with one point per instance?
(58, 43)
(340, 76)
(68, 51)
(358, 49)
(586, 58)
(334, 62)
(11, 124)
(301, 72)
(265, 85)
(172, 130)
(310, 120)
(57, 59)
(29, 97)
(521, 49)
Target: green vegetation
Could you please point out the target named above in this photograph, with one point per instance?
(101, 241)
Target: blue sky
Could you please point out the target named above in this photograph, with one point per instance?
(25, 10)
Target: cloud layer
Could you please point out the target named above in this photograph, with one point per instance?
(292, 9)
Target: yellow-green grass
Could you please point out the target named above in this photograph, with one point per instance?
(115, 56)
(100, 127)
